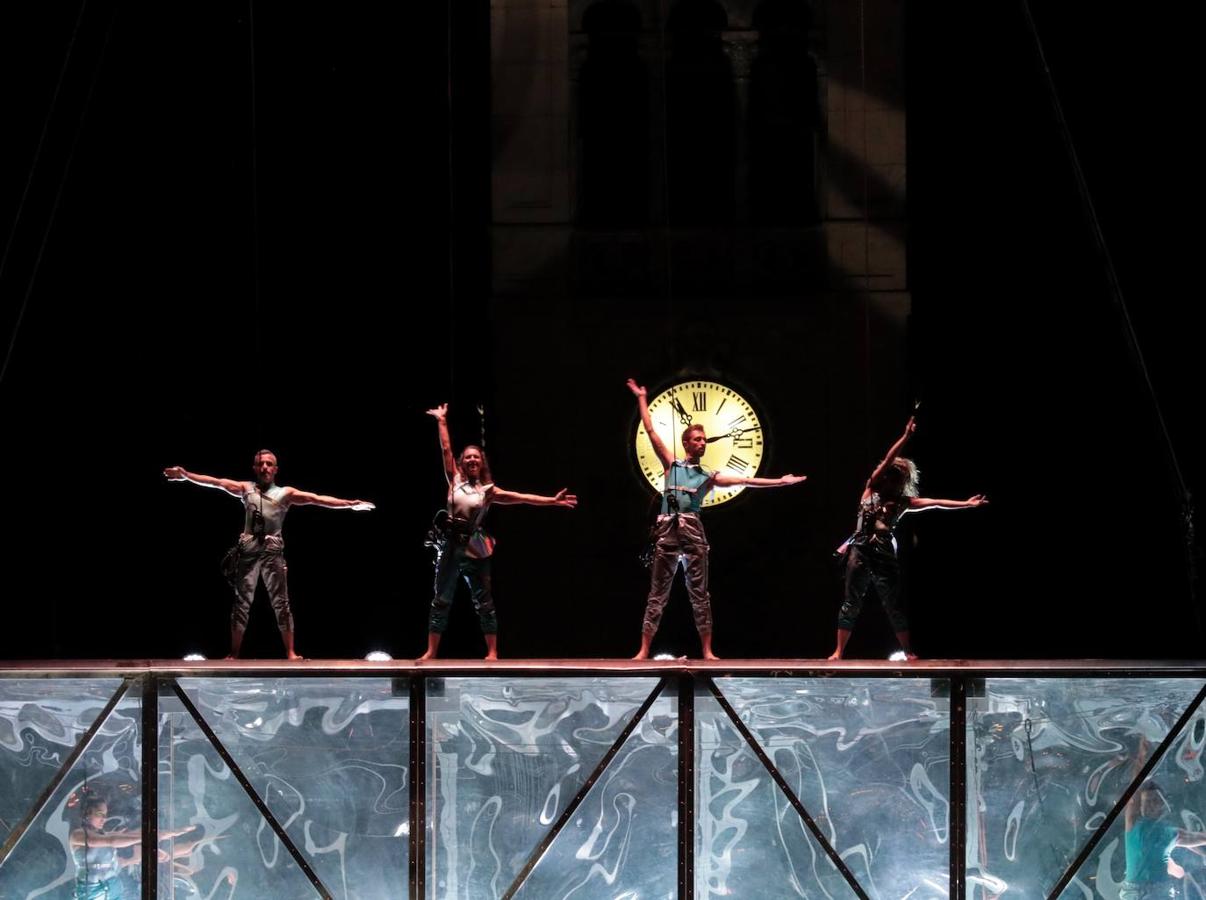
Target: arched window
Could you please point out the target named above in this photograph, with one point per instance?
(784, 116)
(613, 119)
(700, 127)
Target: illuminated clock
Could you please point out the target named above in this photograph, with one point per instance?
(733, 428)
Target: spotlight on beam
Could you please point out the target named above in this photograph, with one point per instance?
(666, 656)
(194, 657)
(898, 656)
(378, 656)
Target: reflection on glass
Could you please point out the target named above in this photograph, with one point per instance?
(41, 721)
(505, 756)
(329, 757)
(622, 842)
(747, 833)
(870, 761)
(1047, 758)
(230, 850)
(103, 785)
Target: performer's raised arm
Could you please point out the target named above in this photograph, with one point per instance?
(663, 453)
(441, 416)
(234, 488)
(723, 480)
(894, 450)
(919, 503)
(305, 498)
(510, 498)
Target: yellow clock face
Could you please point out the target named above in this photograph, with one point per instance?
(733, 428)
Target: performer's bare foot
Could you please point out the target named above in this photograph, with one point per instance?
(294, 657)
(491, 657)
(839, 649)
(646, 642)
(710, 655)
(910, 656)
(491, 647)
(230, 656)
(433, 646)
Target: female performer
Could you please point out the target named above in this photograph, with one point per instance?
(870, 552)
(467, 552)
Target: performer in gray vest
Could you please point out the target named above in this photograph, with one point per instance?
(467, 549)
(260, 552)
(679, 534)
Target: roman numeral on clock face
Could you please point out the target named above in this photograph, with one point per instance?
(699, 401)
(736, 463)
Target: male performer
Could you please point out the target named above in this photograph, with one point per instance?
(679, 532)
(260, 552)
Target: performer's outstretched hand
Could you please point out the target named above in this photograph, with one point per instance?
(911, 425)
(564, 498)
(793, 479)
(175, 473)
(362, 506)
(636, 389)
(440, 412)
(978, 500)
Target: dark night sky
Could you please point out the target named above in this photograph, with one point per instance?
(146, 342)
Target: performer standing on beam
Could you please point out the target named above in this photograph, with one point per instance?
(870, 553)
(467, 550)
(260, 552)
(680, 538)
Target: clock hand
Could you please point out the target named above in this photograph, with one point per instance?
(736, 432)
(683, 416)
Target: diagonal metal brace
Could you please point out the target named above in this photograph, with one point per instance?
(773, 770)
(573, 805)
(1120, 805)
(251, 792)
(17, 833)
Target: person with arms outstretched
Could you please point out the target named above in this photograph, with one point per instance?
(94, 851)
(260, 552)
(870, 553)
(679, 538)
(467, 549)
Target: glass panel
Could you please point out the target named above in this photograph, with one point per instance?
(41, 721)
(1047, 758)
(226, 848)
(746, 831)
(505, 757)
(622, 843)
(330, 758)
(1149, 857)
(44, 863)
(870, 761)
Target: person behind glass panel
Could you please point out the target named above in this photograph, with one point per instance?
(1149, 841)
(94, 851)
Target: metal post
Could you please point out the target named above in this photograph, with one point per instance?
(957, 826)
(686, 787)
(418, 788)
(150, 788)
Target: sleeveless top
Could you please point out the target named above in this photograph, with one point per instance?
(269, 504)
(686, 486)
